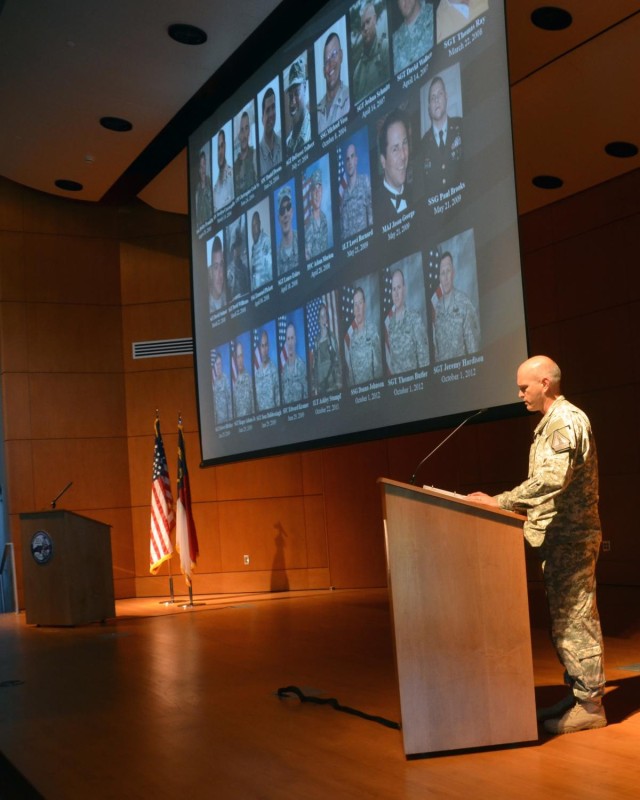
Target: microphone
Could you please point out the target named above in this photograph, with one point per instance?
(58, 496)
(437, 447)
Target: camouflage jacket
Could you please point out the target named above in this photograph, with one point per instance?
(560, 496)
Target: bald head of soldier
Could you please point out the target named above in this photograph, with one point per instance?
(538, 381)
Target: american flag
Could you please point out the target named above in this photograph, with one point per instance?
(282, 340)
(257, 335)
(342, 175)
(433, 277)
(162, 514)
(346, 309)
(306, 196)
(186, 537)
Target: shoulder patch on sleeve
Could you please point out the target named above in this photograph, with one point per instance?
(560, 441)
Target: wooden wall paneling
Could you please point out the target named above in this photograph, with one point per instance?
(74, 338)
(169, 390)
(98, 467)
(16, 405)
(616, 428)
(13, 337)
(59, 216)
(151, 322)
(152, 272)
(277, 476)
(272, 532)
(76, 405)
(316, 531)
(312, 472)
(19, 492)
(540, 277)
(354, 516)
(68, 269)
(619, 565)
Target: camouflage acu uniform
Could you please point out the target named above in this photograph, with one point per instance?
(560, 498)
(296, 140)
(243, 395)
(355, 211)
(326, 369)
(244, 171)
(288, 257)
(223, 188)
(204, 203)
(316, 235)
(364, 361)
(372, 70)
(412, 41)
(267, 388)
(261, 264)
(330, 113)
(270, 158)
(408, 347)
(222, 399)
(456, 330)
(294, 381)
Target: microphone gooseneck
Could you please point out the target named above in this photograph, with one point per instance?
(412, 480)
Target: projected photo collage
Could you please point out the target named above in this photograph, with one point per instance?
(338, 226)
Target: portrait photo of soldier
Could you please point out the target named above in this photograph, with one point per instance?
(413, 37)
(369, 48)
(332, 71)
(405, 322)
(221, 385)
(318, 223)
(286, 229)
(245, 173)
(454, 15)
(441, 147)
(454, 303)
(223, 192)
(354, 184)
(394, 194)
(270, 148)
(265, 369)
(362, 350)
(238, 282)
(260, 249)
(216, 274)
(323, 353)
(242, 382)
(203, 200)
(297, 118)
(293, 368)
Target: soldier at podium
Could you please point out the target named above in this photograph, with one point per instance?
(560, 498)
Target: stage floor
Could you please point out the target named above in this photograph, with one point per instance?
(165, 702)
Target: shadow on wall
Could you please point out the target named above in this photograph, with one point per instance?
(279, 577)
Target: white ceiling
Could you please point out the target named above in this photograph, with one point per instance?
(66, 63)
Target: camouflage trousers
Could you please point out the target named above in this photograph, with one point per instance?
(570, 584)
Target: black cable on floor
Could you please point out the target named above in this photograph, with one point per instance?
(287, 691)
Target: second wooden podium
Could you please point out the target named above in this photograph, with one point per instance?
(459, 604)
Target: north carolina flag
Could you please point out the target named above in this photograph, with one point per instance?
(162, 514)
(186, 538)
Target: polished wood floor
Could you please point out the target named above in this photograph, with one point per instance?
(164, 702)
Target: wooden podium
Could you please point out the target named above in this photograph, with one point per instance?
(459, 605)
(66, 568)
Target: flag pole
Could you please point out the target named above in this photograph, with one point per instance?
(172, 599)
(186, 538)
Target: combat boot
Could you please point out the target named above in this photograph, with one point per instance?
(585, 715)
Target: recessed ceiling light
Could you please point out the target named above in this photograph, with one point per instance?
(187, 34)
(551, 18)
(116, 124)
(621, 149)
(69, 186)
(547, 182)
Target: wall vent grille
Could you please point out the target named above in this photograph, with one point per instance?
(163, 347)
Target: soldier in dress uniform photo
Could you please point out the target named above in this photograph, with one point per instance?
(441, 147)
